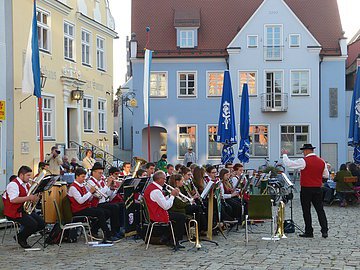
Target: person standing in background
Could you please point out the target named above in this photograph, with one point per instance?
(54, 160)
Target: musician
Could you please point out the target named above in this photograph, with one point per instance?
(313, 169)
(126, 169)
(170, 170)
(111, 210)
(177, 181)
(158, 206)
(88, 162)
(178, 167)
(238, 170)
(80, 198)
(141, 173)
(150, 168)
(198, 178)
(54, 160)
(42, 166)
(14, 198)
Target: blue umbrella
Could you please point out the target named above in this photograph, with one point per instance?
(354, 127)
(244, 150)
(226, 128)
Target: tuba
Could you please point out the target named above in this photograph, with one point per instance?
(138, 162)
(194, 233)
(280, 220)
(29, 206)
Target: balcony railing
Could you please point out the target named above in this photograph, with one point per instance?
(274, 102)
(273, 53)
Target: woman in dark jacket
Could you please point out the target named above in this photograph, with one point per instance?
(341, 185)
(355, 172)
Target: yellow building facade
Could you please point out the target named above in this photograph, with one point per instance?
(76, 52)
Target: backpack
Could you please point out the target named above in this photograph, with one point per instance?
(54, 235)
(289, 226)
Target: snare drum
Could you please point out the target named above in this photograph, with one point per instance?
(57, 192)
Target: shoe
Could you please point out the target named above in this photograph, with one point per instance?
(325, 235)
(112, 239)
(119, 235)
(178, 245)
(23, 243)
(306, 235)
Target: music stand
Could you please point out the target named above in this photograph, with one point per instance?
(43, 186)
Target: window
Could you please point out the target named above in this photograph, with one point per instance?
(158, 84)
(48, 115)
(186, 136)
(248, 77)
(252, 41)
(300, 82)
(102, 115)
(187, 39)
(273, 43)
(88, 113)
(293, 137)
(85, 47)
(187, 84)
(258, 135)
(215, 84)
(214, 148)
(68, 41)
(43, 27)
(294, 41)
(100, 53)
(274, 86)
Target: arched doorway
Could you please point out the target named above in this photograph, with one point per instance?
(158, 142)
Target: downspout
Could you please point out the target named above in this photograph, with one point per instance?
(320, 141)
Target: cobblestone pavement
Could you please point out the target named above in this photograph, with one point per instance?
(339, 251)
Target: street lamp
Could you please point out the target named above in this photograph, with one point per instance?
(42, 80)
(77, 94)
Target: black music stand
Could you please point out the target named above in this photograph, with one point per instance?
(291, 220)
(45, 185)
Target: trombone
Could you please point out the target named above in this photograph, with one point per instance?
(181, 196)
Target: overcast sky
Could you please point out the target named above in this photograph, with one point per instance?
(121, 10)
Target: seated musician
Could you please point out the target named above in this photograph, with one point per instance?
(80, 199)
(141, 173)
(126, 169)
(176, 181)
(198, 178)
(158, 206)
(170, 170)
(238, 170)
(111, 210)
(150, 168)
(230, 195)
(14, 198)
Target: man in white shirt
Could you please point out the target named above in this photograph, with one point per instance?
(238, 170)
(14, 198)
(126, 169)
(158, 206)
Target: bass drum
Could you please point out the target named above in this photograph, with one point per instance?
(57, 192)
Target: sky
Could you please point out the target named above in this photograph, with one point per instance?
(121, 11)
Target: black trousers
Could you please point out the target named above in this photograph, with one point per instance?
(99, 213)
(235, 204)
(112, 210)
(313, 195)
(31, 223)
(178, 222)
(200, 215)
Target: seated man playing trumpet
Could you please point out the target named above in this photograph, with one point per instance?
(80, 198)
(14, 197)
(158, 206)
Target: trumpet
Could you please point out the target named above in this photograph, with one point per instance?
(98, 193)
(181, 196)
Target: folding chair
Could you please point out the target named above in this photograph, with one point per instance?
(152, 224)
(259, 208)
(5, 222)
(68, 226)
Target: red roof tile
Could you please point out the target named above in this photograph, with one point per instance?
(221, 20)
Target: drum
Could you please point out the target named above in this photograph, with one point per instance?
(57, 192)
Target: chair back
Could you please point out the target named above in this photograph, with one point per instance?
(58, 214)
(260, 207)
(66, 210)
(1, 206)
(146, 210)
(350, 179)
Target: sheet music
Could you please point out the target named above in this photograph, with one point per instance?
(207, 189)
(287, 180)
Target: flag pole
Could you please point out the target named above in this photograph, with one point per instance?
(41, 129)
(148, 126)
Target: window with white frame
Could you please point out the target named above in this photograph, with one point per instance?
(258, 135)
(186, 137)
(100, 53)
(85, 47)
(88, 109)
(215, 84)
(300, 82)
(273, 43)
(187, 84)
(158, 84)
(214, 148)
(187, 39)
(274, 89)
(69, 41)
(248, 77)
(102, 115)
(293, 137)
(48, 117)
(43, 27)
(252, 41)
(294, 40)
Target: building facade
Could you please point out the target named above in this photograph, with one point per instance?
(76, 53)
(294, 66)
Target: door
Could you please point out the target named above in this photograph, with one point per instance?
(274, 85)
(2, 159)
(329, 152)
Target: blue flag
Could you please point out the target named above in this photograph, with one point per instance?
(354, 125)
(244, 147)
